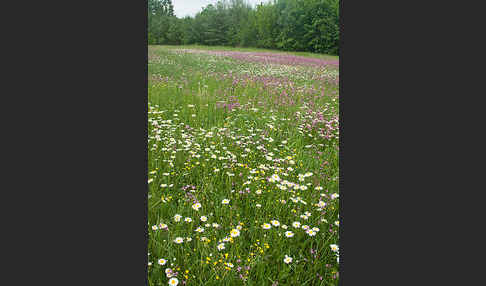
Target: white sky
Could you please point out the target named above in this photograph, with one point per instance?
(184, 8)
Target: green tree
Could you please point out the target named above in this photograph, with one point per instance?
(293, 25)
(159, 14)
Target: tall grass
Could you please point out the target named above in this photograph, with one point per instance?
(263, 137)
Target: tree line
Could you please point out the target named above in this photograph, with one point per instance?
(290, 25)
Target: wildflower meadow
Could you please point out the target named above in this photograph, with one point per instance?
(243, 167)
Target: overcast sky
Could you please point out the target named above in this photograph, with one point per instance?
(184, 8)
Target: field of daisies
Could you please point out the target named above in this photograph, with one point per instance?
(243, 167)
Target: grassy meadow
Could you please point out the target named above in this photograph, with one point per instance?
(243, 167)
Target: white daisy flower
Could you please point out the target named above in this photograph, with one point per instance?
(196, 206)
(173, 281)
(287, 259)
(289, 234)
(234, 232)
(275, 178)
(162, 226)
(266, 226)
(311, 232)
(321, 204)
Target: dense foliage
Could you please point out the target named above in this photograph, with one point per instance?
(291, 25)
